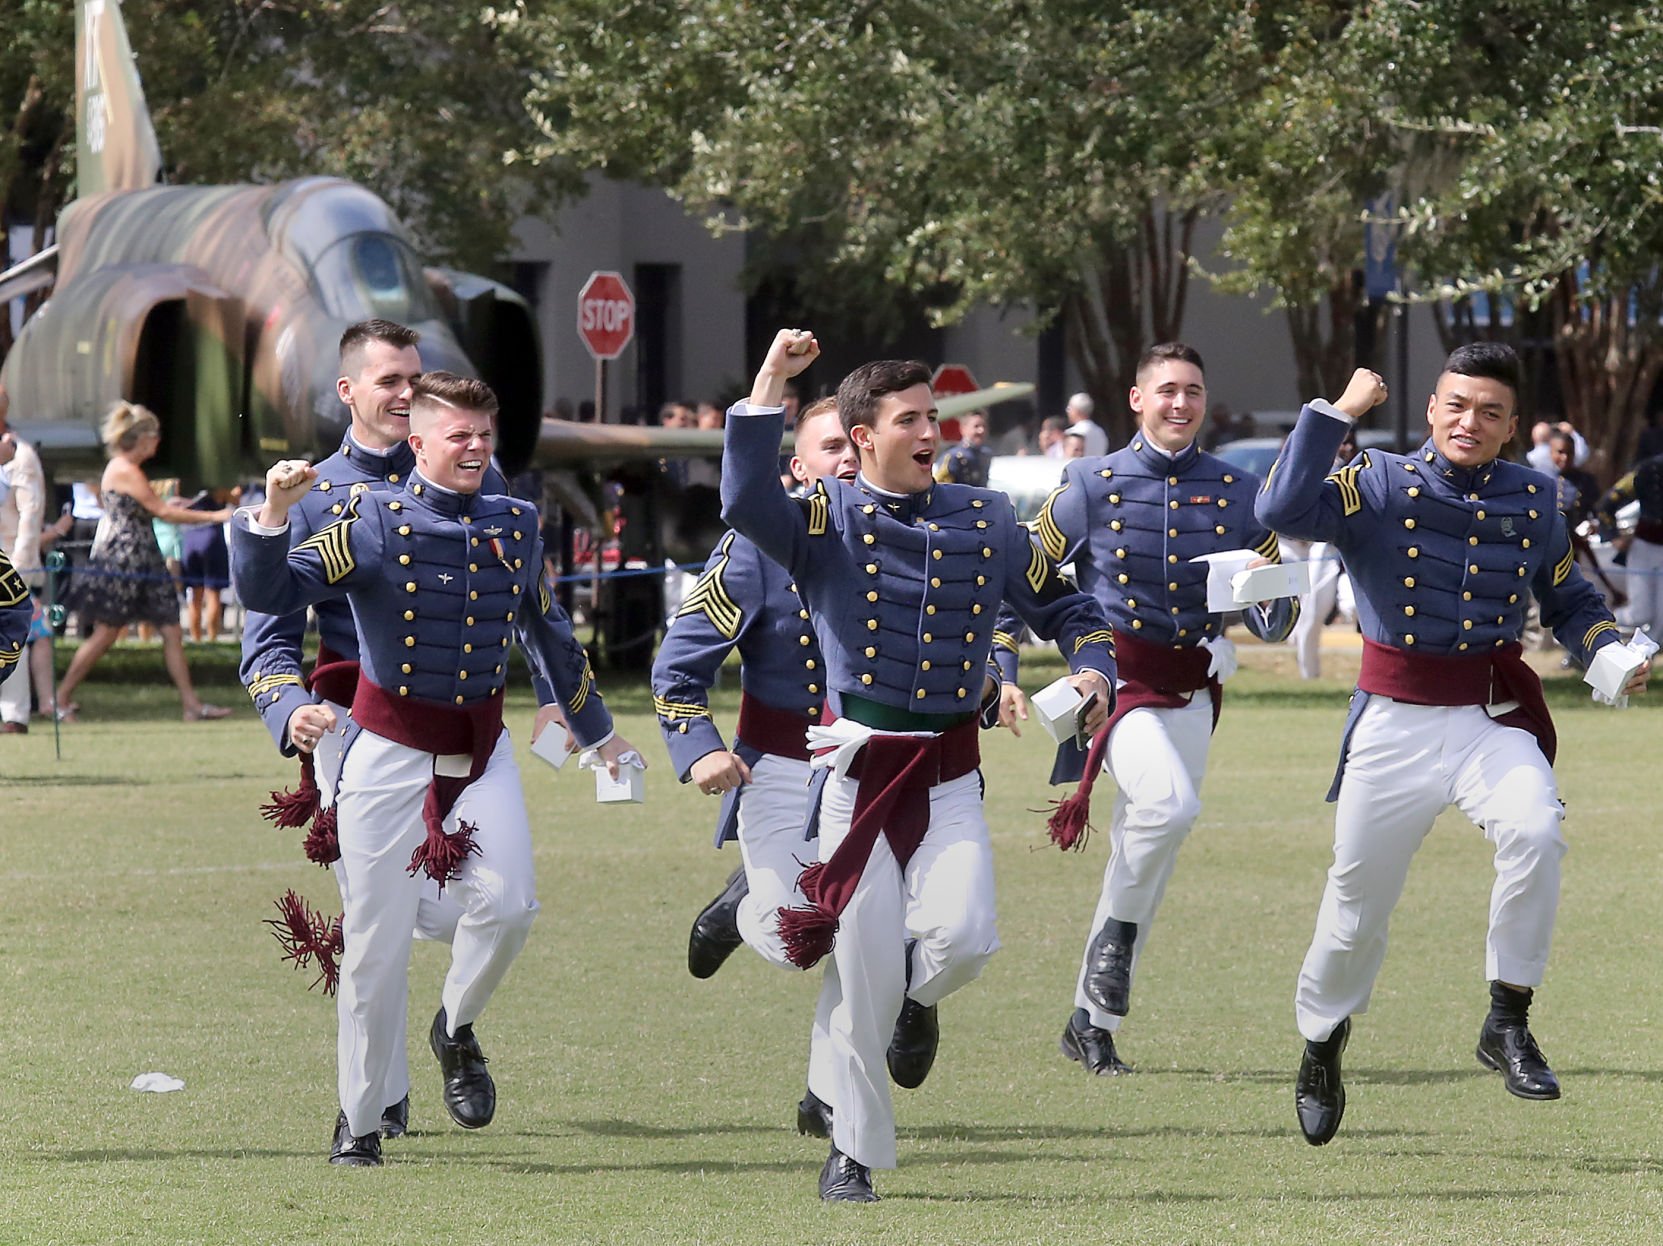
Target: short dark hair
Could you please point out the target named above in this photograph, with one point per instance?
(1560, 437)
(1491, 361)
(1169, 352)
(360, 335)
(451, 390)
(857, 396)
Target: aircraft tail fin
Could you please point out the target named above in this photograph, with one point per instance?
(116, 146)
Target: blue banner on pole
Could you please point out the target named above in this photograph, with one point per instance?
(1380, 246)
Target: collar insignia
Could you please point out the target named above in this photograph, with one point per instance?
(493, 532)
(445, 577)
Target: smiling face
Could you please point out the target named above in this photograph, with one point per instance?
(823, 449)
(452, 444)
(1170, 401)
(1472, 418)
(377, 391)
(897, 450)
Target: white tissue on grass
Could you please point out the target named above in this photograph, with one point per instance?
(158, 1083)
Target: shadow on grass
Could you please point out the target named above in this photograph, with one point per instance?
(1160, 1197)
(156, 1154)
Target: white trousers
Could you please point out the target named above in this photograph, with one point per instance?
(14, 691)
(1644, 585)
(383, 785)
(772, 811)
(1326, 573)
(1406, 764)
(1157, 758)
(944, 897)
(436, 914)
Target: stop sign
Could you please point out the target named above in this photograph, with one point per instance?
(953, 378)
(605, 315)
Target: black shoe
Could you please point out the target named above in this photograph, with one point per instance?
(1091, 1046)
(1318, 1094)
(395, 1121)
(361, 1152)
(1109, 967)
(814, 1116)
(1506, 1046)
(470, 1094)
(912, 1046)
(843, 1180)
(715, 931)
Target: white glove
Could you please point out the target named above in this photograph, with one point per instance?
(1224, 662)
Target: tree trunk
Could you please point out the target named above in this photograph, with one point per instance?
(1324, 337)
(1610, 354)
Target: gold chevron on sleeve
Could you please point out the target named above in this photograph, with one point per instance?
(710, 596)
(1562, 569)
(1004, 640)
(544, 600)
(819, 510)
(1269, 548)
(334, 545)
(674, 711)
(1098, 637)
(584, 684)
(12, 587)
(1604, 625)
(9, 656)
(1039, 566)
(269, 683)
(1051, 538)
(1351, 497)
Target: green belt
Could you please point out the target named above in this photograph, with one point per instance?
(893, 718)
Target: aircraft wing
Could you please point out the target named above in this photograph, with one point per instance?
(35, 273)
(565, 443)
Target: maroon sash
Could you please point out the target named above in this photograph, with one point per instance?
(333, 678)
(770, 730)
(895, 774)
(1478, 679)
(1160, 677)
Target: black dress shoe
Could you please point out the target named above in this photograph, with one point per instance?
(1109, 967)
(814, 1116)
(1318, 1094)
(360, 1152)
(1508, 1047)
(843, 1180)
(395, 1121)
(912, 1046)
(715, 931)
(470, 1094)
(1092, 1046)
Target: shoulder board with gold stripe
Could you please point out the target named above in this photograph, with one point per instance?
(12, 588)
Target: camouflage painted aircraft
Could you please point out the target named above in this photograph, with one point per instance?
(219, 307)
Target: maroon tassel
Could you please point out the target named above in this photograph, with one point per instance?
(1070, 821)
(442, 855)
(306, 935)
(322, 844)
(296, 808)
(808, 933)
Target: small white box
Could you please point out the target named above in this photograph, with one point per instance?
(1278, 579)
(630, 787)
(553, 746)
(1612, 668)
(1222, 567)
(1055, 706)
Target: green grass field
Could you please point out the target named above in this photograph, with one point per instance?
(638, 1105)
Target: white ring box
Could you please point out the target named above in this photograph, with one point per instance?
(630, 787)
(554, 745)
(1055, 705)
(1611, 669)
(1232, 584)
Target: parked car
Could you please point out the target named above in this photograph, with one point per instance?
(1256, 454)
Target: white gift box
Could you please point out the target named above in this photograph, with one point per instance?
(1055, 706)
(1611, 669)
(1232, 584)
(553, 746)
(630, 787)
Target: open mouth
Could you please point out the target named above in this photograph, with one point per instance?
(848, 474)
(472, 465)
(402, 413)
(925, 459)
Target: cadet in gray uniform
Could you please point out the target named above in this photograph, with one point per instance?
(1130, 523)
(15, 612)
(440, 579)
(1445, 547)
(903, 578)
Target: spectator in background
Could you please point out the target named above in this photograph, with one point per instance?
(1075, 439)
(125, 580)
(1080, 412)
(968, 462)
(710, 417)
(1052, 431)
(22, 537)
(205, 566)
(1540, 454)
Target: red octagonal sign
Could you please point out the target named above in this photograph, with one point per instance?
(605, 315)
(953, 378)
